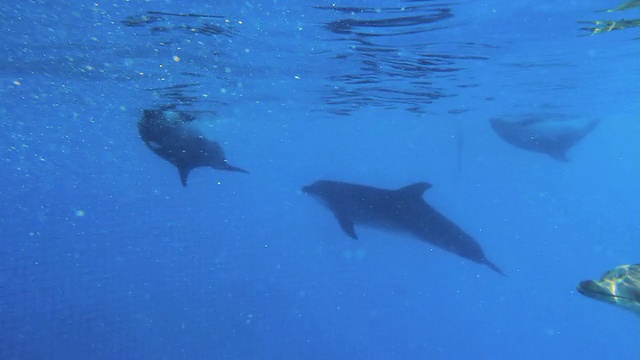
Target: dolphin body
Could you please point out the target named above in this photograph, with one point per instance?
(549, 134)
(402, 210)
(171, 136)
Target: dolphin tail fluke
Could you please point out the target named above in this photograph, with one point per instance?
(235, 168)
(493, 267)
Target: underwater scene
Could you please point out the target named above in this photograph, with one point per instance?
(407, 179)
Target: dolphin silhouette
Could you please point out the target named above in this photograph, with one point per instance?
(550, 134)
(171, 136)
(402, 210)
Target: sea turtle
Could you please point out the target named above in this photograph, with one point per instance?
(619, 286)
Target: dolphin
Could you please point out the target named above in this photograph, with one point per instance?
(549, 134)
(172, 136)
(402, 210)
(619, 286)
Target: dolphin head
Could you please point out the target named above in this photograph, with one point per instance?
(152, 115)
(619, 286)
(320, 190)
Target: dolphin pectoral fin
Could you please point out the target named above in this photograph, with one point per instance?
(184, 174)
(347, 226)
(493, 267)
(415, 190)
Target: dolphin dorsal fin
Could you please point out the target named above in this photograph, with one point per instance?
(415, 190)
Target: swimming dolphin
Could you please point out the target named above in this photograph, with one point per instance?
(171, 136)
(403, 210)
(619, 286)
(549, 134)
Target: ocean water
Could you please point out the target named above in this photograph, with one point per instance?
(104, 255)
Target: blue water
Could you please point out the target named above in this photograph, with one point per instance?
(104, 255)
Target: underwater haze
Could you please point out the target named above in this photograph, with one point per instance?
(104, 254)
